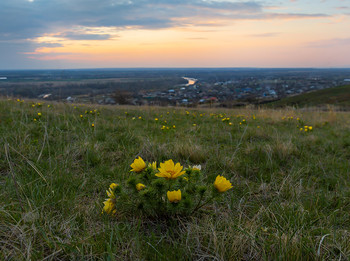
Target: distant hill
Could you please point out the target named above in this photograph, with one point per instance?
(339, 96)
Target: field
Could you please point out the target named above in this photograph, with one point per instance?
(339, 96)
(291, 184)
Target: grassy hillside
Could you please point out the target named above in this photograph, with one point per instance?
(290, 198)
(339, 96)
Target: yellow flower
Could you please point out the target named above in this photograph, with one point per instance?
(138, 165)
(153, 165)
(113, 186)
(140, 186)
(39, 113)
(109, 206)
(156, 119)
(174, 196)
(92, 125)
(169, 170)
(110, 193)
(310, 127)
(222, 184)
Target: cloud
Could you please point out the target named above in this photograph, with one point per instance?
(342, 8)
(82, 36)
(263, 35)
(21, 19)
(329, 43)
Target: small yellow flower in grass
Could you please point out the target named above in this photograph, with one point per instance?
(140, 186)
(113, 186)
(174, 126)
(138, 165)
(153, 165)
(230, 123)
(258, 127)
(39, 113)
(194, 125)
(140, 118)
(92, 125)
(109, 206)
(156, 119)
(110, 191)
(310, 127)
(174, 196)
(48, 106)
(222, 184)
(301, 129)
(33, 105)
(298, 119)
(34, 120)
(170, 170)
(81, 116)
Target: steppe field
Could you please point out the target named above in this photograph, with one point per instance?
(289, 170)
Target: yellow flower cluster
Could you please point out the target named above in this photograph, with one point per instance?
(175, 182)
(306, 128)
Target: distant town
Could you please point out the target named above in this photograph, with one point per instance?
(176, 87)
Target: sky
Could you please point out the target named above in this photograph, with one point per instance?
(64, 34)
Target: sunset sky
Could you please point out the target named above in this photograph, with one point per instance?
(59, 34)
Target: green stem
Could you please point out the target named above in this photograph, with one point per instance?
(199, 206)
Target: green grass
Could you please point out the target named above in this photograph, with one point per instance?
(339, 96)
(290, 198)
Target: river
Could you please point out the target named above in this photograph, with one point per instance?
(191, 81)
